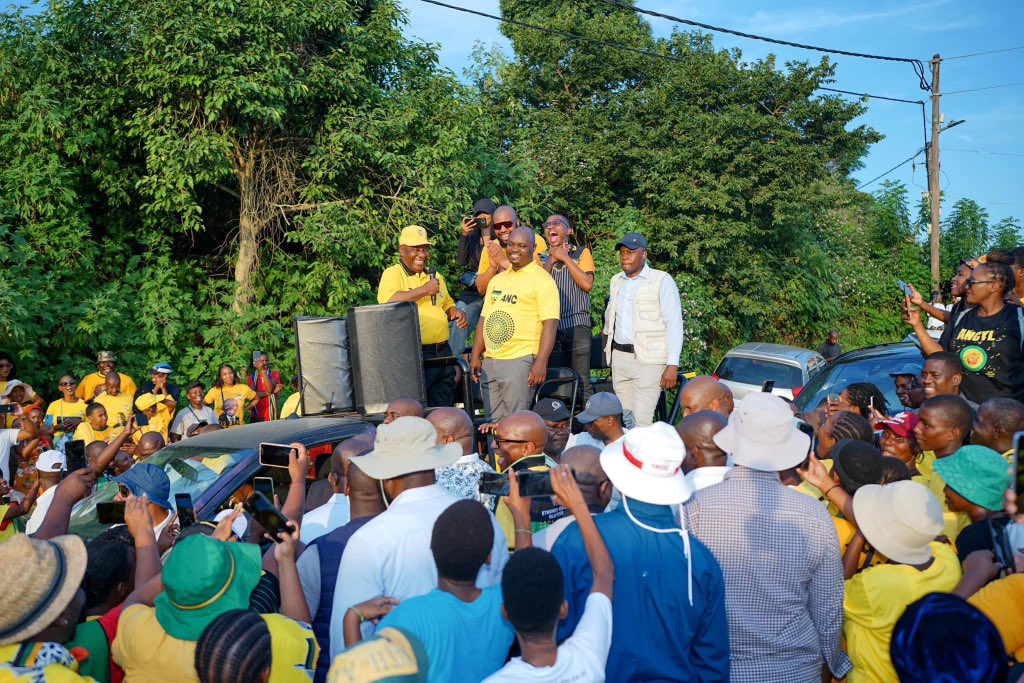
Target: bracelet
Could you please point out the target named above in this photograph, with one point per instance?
(359, 614)
(525, 531)
(829, 489)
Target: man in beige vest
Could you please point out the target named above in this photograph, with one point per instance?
(644, 327)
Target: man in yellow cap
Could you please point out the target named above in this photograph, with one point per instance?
(411, 280)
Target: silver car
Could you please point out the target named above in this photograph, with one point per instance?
(748, 366)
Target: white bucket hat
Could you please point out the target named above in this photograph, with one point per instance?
(900, 519)
(761, 434)
(646, 465)
(407, 445)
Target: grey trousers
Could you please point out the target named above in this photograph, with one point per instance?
(505, 388)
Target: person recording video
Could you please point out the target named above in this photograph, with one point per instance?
(475, 232)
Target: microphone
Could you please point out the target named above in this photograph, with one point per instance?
(433, 276)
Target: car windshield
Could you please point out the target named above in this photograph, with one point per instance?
(871, 369)
(757, 371)
(191, 470)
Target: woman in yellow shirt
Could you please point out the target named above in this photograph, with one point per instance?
(67, 408)
(901, 520)
(225, 388)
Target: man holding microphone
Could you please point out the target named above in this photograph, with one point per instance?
(411, 280)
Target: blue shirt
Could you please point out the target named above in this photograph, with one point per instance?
(466, 641)
(656, 634)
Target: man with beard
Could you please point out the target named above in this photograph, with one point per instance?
(494, 257)
(410, 280)
(908, 386)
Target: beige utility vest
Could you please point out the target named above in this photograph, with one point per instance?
(650, 333)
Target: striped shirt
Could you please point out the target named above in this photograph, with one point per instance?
(575, 303)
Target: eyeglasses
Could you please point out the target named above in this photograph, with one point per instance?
(551, 224)
(504, 224)
(498, 439)
(124, 490)
(970, 282)
(6, 365)
(67, 384)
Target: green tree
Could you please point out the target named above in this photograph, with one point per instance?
(1005, 235)
(965, 233)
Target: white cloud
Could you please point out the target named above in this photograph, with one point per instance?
(811, 19)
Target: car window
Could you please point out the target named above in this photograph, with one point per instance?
(757, 371)
(874, 370)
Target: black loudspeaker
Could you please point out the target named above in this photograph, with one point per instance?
(387, 356)
(325, 372)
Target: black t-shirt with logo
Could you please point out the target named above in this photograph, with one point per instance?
(990, 352)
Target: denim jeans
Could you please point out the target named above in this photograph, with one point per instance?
(456, 337)
(574, 343)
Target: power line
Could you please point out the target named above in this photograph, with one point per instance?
(975, 151)
(554, 32)
(902, 163)
(924, 116)
(916, 63)
(987, 87)
(978, 54)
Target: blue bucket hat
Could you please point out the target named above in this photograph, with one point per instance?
(150, 480)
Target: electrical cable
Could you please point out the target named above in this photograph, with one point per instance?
(978, 54)
(976, 151)
(918, 65)
(987, 87)
(924, 116)
(902, 163)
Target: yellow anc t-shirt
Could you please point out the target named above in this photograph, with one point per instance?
(242, 393)
(953, 522)
(85, 432)
(877, 597)
(158, 423)
(515, 306)
(119, 409)
(87, 387)
(433, 319)
(61, 410)
(485, 257)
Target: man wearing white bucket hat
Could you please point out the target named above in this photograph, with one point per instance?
(669, 602)
(390, 555)
(777, 548)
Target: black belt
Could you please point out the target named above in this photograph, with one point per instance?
(626, 348)
(439, 346)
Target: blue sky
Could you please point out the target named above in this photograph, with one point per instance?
(914, 29)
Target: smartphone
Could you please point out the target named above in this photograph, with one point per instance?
(8, 408)
(264, 485)
(269, 517)
(904, 287)
(74, 454)
(535, 484)
(110, 512)
(493, 483)
(186, 510)
(256, 355)
(1017, 473)
(809, 431)
(274, 454)
(480, 223)
(768, 386)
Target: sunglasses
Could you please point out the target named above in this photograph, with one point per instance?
(504, 224)
(6, 365)
(67, 384)
(498, 439)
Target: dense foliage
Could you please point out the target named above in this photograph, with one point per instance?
(178, 178)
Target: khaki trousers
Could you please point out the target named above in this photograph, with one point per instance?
(638, 386)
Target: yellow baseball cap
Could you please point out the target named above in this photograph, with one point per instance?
(413, 236)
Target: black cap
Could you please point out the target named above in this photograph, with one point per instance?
(484, 206)
(194, 385)
(552, 410)
(857, 463)
(632, 241)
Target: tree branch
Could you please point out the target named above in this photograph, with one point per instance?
(231, 192)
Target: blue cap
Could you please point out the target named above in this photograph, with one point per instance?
(600, 404)
(906, 369)
(162, 367)
(632, 241)
(150, 480)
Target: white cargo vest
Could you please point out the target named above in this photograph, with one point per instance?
(650, 333)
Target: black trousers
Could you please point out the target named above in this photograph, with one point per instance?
(440, 381)
(574, 343)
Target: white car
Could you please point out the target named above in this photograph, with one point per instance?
(748, 366)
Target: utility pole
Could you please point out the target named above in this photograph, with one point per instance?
(933, 172)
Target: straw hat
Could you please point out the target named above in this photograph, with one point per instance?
(899, 519)
(38, 580)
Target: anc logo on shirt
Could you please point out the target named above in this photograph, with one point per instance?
(974, 358)
(499, 329)
(495, 295)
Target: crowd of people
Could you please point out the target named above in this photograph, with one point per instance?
(751, 542)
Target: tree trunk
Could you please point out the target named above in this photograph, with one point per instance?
(245, 264)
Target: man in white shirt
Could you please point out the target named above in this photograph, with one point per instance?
(585, 462)
(704, 463)
(50, 465)
(602, 418)
(390, 555)
(644, 326)
(462, 478)
(334, 512)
